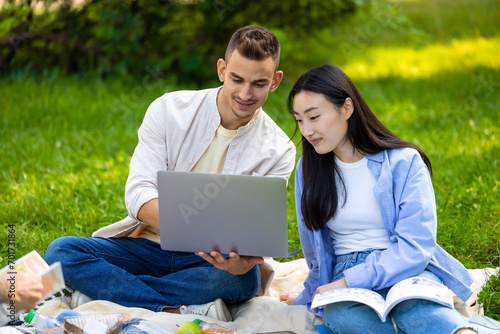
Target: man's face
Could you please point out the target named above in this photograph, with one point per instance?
(246, 86)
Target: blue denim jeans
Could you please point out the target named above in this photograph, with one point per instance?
(411, 316)
(136, 272)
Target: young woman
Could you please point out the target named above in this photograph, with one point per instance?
(366, 213)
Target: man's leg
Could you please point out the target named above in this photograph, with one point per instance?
(138, 273)
(195, 281)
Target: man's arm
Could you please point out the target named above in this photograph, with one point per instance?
(150, 156)
(149, 213)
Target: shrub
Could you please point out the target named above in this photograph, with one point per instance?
(131, 37)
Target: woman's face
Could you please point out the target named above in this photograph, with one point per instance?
(322, 123)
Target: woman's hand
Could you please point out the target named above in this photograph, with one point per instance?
(288, 298)
(338, 284)
(235, 264)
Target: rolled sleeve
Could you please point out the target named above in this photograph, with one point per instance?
(150, 156)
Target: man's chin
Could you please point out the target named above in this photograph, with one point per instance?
(244, 114)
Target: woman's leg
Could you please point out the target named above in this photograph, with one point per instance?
(351, 317)
(420, 316)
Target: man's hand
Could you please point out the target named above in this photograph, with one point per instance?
(235, 264)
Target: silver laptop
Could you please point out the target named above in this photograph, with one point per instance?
(226, 213)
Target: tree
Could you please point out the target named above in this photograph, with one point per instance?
(182, 37)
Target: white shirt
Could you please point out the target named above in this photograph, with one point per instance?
(357, 225)
(177, 129)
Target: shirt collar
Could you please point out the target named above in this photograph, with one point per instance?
(378, 157)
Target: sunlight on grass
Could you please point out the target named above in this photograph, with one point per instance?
(410, 62)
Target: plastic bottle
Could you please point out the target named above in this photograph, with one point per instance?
(212, 328)
(65, 314)
(40, 321)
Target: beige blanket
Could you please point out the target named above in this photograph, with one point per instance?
(261, 314)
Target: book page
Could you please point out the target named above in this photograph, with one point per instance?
(52, 279)
(418, 288)
(365, 296)
(32, 263)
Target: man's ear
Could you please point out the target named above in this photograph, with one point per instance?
(348, 108)
(278, 76)
(221, 69)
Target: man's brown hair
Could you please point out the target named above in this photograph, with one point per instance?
(256, 43)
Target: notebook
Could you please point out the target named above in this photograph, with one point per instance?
(226, 213)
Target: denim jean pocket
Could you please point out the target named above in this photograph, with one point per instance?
(347, 261)
(338, 271)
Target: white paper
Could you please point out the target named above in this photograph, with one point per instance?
(95, 327)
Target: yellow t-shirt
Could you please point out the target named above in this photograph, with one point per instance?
(212, 161)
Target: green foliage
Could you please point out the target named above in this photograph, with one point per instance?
(182, 38)
(489, 297)
(66, 147)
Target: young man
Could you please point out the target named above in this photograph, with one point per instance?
(220, 130)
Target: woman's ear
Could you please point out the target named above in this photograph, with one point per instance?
(348, 108)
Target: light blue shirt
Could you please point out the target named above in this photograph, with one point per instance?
(406, 198)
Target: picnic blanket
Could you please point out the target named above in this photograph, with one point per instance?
(263, 314)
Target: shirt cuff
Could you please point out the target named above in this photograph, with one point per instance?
(145, 197)
(302, 298)
(357, 277)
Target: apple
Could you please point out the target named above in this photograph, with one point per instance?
(189, 328)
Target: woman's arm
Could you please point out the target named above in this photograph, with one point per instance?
(312, 280)
(414, 238)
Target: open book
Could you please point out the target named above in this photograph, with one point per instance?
(52, 276)
(410, 288)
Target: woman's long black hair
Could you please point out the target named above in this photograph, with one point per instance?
(320, 196)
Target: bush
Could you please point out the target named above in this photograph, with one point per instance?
(132, 37)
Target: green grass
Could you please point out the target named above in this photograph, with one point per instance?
(430, 73)
(489, 296)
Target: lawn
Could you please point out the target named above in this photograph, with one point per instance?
(431, 73)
